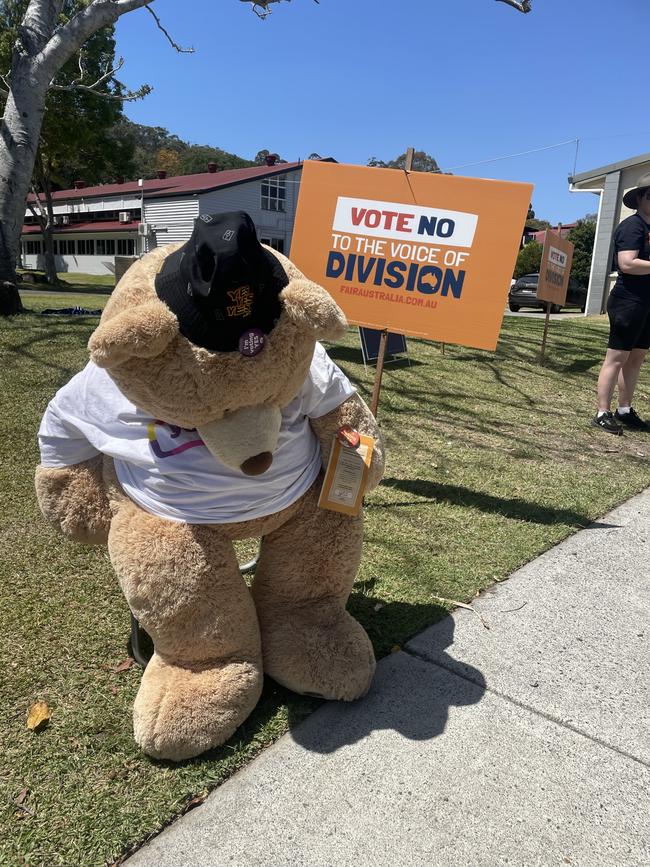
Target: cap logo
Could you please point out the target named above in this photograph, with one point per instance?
(228, 236)
(242, 302)
(207, 218)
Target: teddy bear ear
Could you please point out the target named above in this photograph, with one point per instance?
(313, 309)
(143, 331)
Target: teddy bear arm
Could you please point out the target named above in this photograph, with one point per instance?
(74, 500)
(354, 412)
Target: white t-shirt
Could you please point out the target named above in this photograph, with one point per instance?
(167, 470)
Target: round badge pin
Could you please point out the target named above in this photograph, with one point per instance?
(251, 342)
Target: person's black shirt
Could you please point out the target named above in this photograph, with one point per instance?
(633, 234)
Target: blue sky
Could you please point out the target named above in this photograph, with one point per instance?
(464, 80)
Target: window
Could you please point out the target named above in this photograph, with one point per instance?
(274, 243)
(274, 193)
(105, 247)
(86, 246)
(126, 247)
(66, 248)
(33, 248)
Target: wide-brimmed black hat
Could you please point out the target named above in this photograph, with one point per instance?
(630, 199)
(223, 285)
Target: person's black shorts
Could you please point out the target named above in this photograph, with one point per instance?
(629, 323)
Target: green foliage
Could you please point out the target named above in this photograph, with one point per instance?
(422, 162)
(76, 136)
(529, 259)
(156, 148)
(582, 236)
(260, 157)
(534, 223)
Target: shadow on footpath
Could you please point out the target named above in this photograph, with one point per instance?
(408, 695)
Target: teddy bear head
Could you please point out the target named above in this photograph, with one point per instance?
(216, 335)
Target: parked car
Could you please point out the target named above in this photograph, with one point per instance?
(523, 293)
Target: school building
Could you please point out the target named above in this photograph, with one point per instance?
(94, 225)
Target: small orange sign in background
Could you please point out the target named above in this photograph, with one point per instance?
(555, 269)
(421, 254)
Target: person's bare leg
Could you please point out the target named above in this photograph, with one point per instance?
(609, 376)
(628, 376)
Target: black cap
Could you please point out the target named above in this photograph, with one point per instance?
(222, 285)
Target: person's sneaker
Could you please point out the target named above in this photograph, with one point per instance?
(632, 420)
(607, 422)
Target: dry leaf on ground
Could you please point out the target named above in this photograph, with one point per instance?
(38, 716)
(125, 666)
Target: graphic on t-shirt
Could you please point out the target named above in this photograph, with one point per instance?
(174, 432)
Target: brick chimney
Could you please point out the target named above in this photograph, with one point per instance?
(212, 168)
(162, 175)
(79, 185)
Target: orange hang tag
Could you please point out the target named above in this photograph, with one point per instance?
(348, 436)
(345, 478)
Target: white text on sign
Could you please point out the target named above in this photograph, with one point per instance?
(557, 257)
(406, 222)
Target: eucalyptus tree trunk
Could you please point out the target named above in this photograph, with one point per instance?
(45, 217)
(20, 131)
(42, 48)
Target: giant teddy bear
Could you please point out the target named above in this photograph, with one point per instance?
(206, 414)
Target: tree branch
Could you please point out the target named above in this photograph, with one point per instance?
(524, 6)
(263, 5)
(169, 39)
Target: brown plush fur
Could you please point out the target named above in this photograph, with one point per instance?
(213, 638)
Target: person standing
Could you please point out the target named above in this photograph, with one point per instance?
(628, 308)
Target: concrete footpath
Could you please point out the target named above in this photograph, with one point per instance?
(525, 743)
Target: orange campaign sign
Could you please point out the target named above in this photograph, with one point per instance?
(426, 255)
(555, 269)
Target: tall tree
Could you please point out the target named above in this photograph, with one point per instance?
(75, 140)
(582, 237)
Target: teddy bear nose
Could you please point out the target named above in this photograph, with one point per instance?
(258, 464)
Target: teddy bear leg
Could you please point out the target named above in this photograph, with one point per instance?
(302, 582)
(183, 584)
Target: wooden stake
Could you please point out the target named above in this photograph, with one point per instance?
(383, 340)
(548, 313)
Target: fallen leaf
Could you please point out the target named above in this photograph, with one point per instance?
(395, 648)
(21, 797)
(38, 716)
(125, 666)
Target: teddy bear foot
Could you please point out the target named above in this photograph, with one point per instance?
(319, 656)
(182, 712)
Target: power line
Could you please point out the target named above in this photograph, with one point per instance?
(511, 156)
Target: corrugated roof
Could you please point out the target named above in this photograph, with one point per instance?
(177, 185)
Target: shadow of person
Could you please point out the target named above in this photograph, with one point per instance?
(409, 695)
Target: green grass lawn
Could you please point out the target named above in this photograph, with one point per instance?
(491, 460)
(101, 284)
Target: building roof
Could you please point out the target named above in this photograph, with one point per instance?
(178, 185)
(593, 174)
(99, 226)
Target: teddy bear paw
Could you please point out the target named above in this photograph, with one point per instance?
(182, 712)
(325, 657)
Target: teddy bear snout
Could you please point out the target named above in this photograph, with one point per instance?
(258, 464)
(244, 439)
